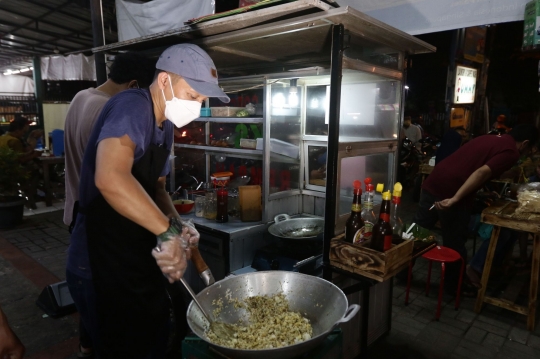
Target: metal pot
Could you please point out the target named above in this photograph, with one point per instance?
(320, 301)
(297, 228)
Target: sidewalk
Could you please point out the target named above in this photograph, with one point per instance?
(33, 255)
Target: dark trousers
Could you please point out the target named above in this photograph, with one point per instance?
(505, 243)
(84, 297)
(454, 225)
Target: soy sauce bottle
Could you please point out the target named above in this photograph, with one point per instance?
(381, 239)
(354, 227)
(222, 212)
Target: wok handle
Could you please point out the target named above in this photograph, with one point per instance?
(349, 314)
(281, 217)
(202, 267)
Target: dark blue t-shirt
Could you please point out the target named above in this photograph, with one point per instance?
(129, 113)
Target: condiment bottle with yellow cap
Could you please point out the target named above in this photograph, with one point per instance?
(381, 239)
(395, 220)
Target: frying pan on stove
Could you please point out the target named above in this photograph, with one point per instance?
(296, 228)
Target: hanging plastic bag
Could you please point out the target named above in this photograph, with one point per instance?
(529, 198)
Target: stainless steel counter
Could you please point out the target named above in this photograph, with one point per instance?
(233, 228)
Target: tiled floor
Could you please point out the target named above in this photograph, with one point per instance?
(33, 255)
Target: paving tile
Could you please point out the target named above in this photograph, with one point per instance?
(518, 335)
(491, 328)
(466, 316)
(494, 340)
(534, 341)
(405, 329)
(406, 320)
(475, 335)
(468, 349)
(521, 348)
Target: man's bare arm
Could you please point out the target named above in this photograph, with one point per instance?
(475, 181)
(121, 190)
(163, 200)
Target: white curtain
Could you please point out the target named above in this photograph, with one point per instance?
(71, 67)
(13, 85)
(136, 19)
(424, 16)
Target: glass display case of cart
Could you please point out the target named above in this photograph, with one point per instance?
(224, 137)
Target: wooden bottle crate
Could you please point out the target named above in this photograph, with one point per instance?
(364, 261)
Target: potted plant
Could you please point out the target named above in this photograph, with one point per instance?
(12, 175)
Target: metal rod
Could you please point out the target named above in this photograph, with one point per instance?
(194, 297)
(96, 10)
(333, 145)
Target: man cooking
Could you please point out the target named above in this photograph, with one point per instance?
(124, 205)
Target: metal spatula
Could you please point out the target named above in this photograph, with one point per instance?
(222, 330)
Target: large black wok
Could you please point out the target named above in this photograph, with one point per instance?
(296, 228)
(320, 301)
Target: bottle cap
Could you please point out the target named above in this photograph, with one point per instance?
(398, 188)
(386, 196)
(357, 185)
(380, 187)
(367, 180)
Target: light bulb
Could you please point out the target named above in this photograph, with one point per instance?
(293, 99)
(278, 100)
(314, 103)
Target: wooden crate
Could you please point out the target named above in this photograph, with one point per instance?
(364, 261)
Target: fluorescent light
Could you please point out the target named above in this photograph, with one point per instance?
(31, 68)
(15, 72)
(26, 69)
(406, 87)
(8, 72)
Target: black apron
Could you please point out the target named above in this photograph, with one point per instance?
(131, 299)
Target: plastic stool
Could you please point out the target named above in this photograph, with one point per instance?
(443, 255)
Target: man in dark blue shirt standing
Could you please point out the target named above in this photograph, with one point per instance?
(124, 208)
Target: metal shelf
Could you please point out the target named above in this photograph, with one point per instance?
(231, 119)
(230, 150)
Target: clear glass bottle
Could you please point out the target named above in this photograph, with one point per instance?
(367, 211)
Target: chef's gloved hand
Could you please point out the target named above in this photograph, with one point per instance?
(171, 258)
(171, 252)
(192, 236)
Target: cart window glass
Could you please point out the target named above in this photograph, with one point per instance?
(377, 166)
(285, 132)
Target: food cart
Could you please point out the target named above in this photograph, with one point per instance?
(326, 85)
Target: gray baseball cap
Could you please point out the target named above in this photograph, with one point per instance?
(195, 66)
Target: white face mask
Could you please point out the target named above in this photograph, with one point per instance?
(180, 112)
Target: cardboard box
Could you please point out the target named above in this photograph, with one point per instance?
(364, 261)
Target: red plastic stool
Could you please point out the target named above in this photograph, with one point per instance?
(443, 255)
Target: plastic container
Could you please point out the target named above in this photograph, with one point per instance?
(225, 111)
(249, 200)
(247, 143)
(206, 112)
(222, 215)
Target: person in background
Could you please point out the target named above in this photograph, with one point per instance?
(502, 125)
(451, 141)
(10, 345)
(448, 193)
(128, 70)
(125, 212)
(412, 132)
(17, 140)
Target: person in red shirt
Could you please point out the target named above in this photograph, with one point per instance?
(451, 187)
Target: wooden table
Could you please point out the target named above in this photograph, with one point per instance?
(502, 214)
(45, 163)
